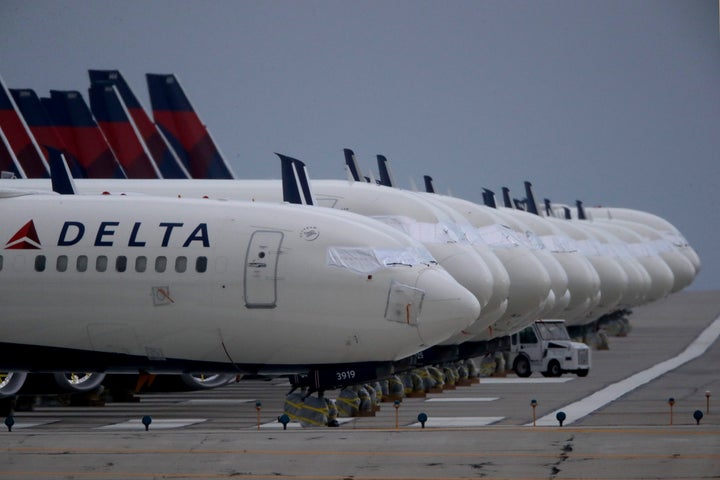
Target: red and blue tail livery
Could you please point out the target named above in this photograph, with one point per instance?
(181, 125)
(26, 158)
(42, 128)
(163, 155)
(120, 131)
(81, 134)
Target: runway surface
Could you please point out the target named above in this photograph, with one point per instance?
(619, 423)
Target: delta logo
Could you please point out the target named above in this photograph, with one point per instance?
(24, 239)
(110, 233)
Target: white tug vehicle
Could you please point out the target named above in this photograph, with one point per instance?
(546, 347)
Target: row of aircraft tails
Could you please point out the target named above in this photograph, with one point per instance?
(130, 247)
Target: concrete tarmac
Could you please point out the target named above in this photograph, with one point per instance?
(484, 430)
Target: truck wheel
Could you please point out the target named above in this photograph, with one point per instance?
(522, 366)
(583, 372)
(554, 369)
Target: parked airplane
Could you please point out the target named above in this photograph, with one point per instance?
(126, 283)
(529, 282)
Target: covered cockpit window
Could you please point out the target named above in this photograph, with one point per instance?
(368, 260)
(559, 244)
(424, 232)
(533, 240)
(498, 236)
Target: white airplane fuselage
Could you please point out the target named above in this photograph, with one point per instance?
(121, 283)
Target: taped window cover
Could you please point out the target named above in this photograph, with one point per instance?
(533, 240)
(556, 243)
(498, 236)
(369, 260)
(589, 247)
(425, 232)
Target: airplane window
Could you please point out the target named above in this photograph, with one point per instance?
(62, 263)
(180, 264)
(82, 263)
(101, 263)
(40, 263)
(121, 263)
(140, 264)
(201, 264)
(160, 264)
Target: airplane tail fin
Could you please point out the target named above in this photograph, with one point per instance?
(166, 160)
(506, 197)
(62, 181)
(429, 186)
(82, 135)
(581, 210)
(30, 159)
(352, 165)
(121, 132)
(530, 199)
(385, 175)
(296, 186)
(42, 128)
(183, 128)
(548, 208)
(489, 198)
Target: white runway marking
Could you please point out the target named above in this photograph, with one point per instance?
(156, 424)
(437, 422)
(462, 399)
(576, 411)
(493, 380)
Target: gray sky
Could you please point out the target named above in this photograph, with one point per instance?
(612, 102)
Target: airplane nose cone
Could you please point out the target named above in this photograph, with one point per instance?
(529, 288)
(447, 308)
(694, 258)
(683, 270)
(467, 267)
(661, 276)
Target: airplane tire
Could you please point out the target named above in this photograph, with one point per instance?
(583, 372)
(11, 382)
(554, 369)
(522, 367)
(79, 382)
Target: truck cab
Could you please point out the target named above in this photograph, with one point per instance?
(546, 347)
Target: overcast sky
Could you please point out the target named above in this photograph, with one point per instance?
(612, 102)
